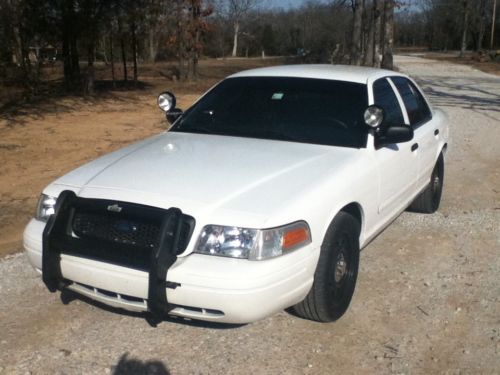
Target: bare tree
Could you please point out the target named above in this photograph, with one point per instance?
(156, 15)
(478, 23)
(378, 6)
(235, 11)
(493, 20)
(357, 8)
(387, 59)
(465, 25)
(196, 27)
(191, 24)
(122, 44)
(368, 34)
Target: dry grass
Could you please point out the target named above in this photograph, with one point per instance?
(45, 137)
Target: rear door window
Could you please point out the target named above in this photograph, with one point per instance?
(416, 106)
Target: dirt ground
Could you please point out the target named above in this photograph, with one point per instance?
(42, 141)
(428, 296)
(472, 59)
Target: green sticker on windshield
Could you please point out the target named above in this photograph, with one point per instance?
(277, 96)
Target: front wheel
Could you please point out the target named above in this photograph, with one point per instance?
(336, 272)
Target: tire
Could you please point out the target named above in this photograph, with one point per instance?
(427, 202)
(336, 272)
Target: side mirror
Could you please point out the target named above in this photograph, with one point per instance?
(396, 134)
(166, 102)
(373, 116)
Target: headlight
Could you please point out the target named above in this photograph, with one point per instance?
(252, 244)
(45, 207)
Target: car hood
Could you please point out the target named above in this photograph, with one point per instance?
(243, 181)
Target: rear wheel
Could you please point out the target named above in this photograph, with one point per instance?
(427, 202)
(336, 272)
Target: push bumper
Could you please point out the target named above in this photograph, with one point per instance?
(210, 288)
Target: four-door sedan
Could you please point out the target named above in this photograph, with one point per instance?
(258, 198)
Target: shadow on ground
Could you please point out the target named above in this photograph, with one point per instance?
(20, 110)
(463, 92)
(131, 366)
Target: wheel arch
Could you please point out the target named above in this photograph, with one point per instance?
(443, 150)
(356, 210)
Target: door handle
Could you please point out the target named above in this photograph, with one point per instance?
(414, 146)
(436, 132)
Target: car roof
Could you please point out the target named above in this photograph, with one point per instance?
(349, 73)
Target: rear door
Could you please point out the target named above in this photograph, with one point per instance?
(425, 141)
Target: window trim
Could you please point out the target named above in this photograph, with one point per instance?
(402, 106)
(429, 107)
(396, 94)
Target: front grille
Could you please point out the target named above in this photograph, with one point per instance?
(125, 238)
(116, 229)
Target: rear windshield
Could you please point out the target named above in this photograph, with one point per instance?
(280, 108)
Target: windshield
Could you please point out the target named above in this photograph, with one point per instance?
(306, 110)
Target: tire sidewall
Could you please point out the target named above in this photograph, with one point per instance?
(436, 192)
(346, 226)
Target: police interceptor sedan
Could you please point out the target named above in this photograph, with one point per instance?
(259, 197)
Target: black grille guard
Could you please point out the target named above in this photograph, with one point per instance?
(58, 233)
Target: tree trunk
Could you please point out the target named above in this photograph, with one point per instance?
(369, 38)
(75, 60)
(89, 87)
(493, 20)
(124, 59)
(182, 58)
(17, 53)
(464, 29)
(195, 54)
(67, 60)
(377, 32)
(235, 38)
(69, 44)
(358, 6)
(134, 49)
(482, 26)
(112, 59)
(104, 52)
(387, 59)
(152, 45)
(122, 47)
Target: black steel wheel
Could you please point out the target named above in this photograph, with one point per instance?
(336, 272)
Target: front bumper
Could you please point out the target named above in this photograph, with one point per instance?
(211, 288)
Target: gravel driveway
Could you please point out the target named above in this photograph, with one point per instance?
(428, 297)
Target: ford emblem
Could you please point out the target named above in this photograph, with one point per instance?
(114, 208)
(125, 226)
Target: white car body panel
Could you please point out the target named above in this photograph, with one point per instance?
(250, 183)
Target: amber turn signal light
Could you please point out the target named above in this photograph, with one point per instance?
(295, 237)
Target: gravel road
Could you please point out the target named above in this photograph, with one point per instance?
(428, 297)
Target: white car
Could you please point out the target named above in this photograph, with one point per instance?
(259, 197)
